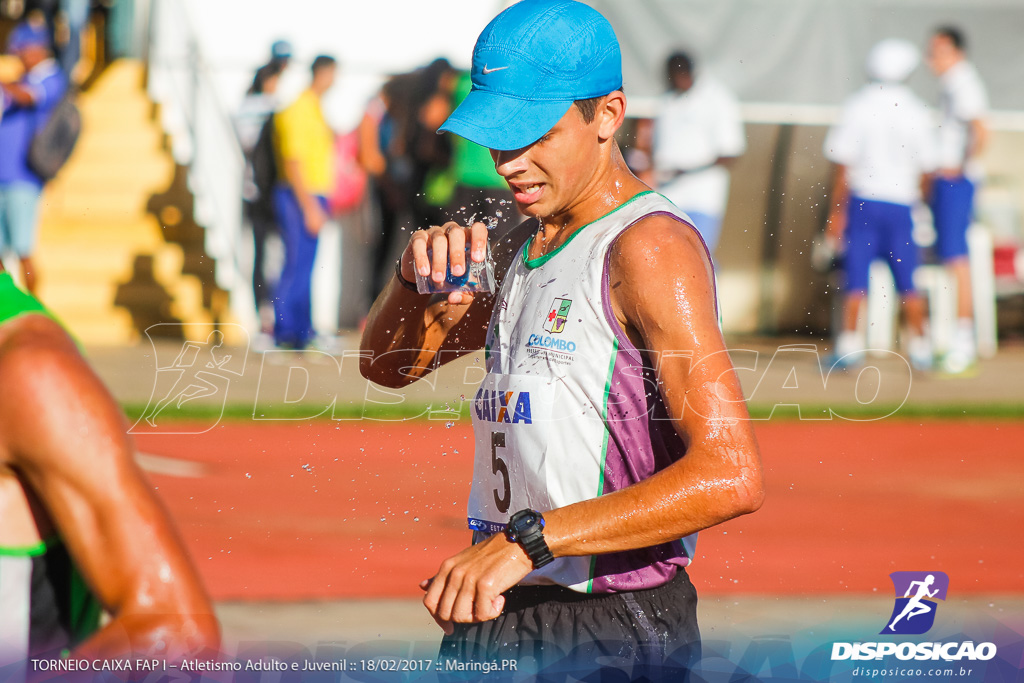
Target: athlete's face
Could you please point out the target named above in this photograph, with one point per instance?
(32, 55)
(942, 54)
(553, 175)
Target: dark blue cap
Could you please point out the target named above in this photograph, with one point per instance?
(529, 65)
(27, 35)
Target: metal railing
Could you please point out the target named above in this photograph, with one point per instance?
(203, 139)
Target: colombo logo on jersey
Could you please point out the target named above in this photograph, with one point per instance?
(556, 318)
(914, 614)
(503, 406)
(554, 323)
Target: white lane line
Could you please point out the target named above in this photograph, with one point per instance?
(171, 467)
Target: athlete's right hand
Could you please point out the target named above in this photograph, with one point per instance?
(448, 243)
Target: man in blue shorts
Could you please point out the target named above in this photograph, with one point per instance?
(883, 145)
(610, 426)
(962, 138)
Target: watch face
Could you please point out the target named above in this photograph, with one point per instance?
(520, 524)
(526, 522)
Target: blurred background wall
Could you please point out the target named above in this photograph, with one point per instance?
(790, 62)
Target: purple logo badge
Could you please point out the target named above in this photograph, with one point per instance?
(916, 593)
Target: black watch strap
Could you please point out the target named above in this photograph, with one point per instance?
(526, 528)
(411, 286)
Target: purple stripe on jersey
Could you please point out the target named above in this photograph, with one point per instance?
(641, 441)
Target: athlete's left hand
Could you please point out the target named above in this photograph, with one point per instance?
(468, 587)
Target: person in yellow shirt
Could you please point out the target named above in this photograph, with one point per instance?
(305, 162)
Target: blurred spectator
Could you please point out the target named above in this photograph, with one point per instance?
(962, 137)
(40, 12)
(26, 106)
(468, 189)
(398, 146)
(280, 54)
(696, 134)
(884, 144)
(65, 20)
(71, 20)
(252, 117)
(305, 151)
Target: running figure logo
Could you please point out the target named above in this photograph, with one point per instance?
(555, 321)
(914, 612)
(199, 372)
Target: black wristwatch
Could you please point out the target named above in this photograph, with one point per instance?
(526, 528)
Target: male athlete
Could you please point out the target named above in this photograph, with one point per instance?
(80, 529)
(963, 136)
(610, 424)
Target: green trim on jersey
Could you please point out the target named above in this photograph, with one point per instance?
(85, 608)
(604, 447)
(15, 302)
(541, 260)
(34, 550)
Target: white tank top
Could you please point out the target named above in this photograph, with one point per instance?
(569, 409)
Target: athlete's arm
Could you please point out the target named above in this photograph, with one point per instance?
(408, 334)
(663, 296)
(836, 224)
(63, 433)
(370, 156)
(20, 94)
(312, 213)
(979, 138)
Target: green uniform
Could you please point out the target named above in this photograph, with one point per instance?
(15, 302)
(45, 606)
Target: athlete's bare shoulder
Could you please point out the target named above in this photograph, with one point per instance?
(29, 346)
(662, 244)
(33, 330)
(39, 366)
(660, 277)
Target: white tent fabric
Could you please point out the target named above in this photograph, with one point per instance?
(811, 52)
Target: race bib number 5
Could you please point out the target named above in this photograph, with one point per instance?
(511, 416)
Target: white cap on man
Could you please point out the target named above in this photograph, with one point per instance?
(893, 60)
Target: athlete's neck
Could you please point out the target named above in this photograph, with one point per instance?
(611, 186)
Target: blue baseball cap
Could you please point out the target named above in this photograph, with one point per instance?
(281, 49)
(529, 65)
(27, 35)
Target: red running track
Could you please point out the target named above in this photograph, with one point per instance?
(322, 510)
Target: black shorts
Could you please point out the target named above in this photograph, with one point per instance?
(553, 631)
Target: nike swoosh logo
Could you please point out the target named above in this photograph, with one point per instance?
(490, 71)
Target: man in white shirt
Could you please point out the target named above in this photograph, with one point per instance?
(883, 146)
(962, 137)
(696, 134)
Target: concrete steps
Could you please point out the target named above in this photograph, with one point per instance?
(106, 267)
